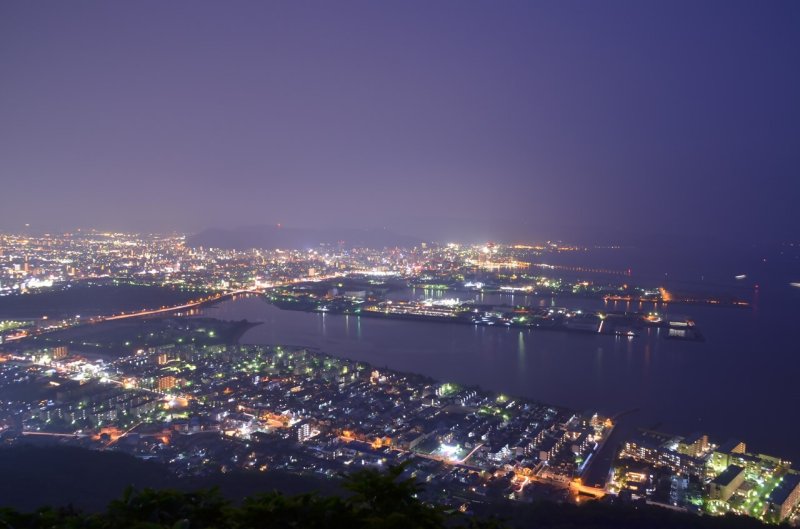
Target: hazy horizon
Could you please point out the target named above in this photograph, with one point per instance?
(535, 120)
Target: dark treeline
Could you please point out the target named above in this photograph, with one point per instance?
(374, 500)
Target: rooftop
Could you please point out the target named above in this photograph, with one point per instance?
(786, 487)
(728, 475)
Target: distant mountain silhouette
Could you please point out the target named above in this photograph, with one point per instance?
(248, 237)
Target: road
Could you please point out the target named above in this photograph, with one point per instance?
(175, 308)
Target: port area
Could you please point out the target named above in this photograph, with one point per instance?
(627, 324)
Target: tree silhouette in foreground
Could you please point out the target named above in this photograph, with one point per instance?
(376, 500)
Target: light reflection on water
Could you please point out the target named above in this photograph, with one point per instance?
(725, 386)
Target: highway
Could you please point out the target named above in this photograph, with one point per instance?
(174, 308)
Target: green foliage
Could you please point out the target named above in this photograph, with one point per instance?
(385, 500)
(378, 500)
(178, 510)
(306, 510)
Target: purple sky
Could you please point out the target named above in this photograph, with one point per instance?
(543, 119)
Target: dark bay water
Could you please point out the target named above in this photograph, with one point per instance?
(741, 382)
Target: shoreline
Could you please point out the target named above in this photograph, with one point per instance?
(630, 327)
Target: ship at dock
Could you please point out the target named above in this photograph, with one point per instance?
(453, 310)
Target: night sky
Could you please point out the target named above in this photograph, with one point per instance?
(433, 118)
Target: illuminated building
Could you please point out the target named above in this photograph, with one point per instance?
(722, 456)
(303, 431)
(723, 486)
(548, 448)
(166, 383)
(695, 445)
(659, 450)
(785, 497)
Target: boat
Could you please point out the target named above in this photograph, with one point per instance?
(740, 277)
